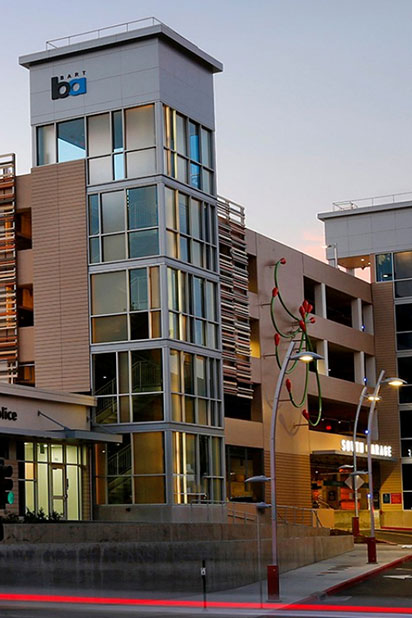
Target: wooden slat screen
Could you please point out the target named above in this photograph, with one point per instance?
(237, 377)
(8, 274)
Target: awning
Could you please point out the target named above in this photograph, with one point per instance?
(350, 455)
(63, 434)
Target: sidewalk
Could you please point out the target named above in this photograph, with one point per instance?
(315, 579)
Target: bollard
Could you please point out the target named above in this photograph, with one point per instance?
(273, 582)
(371, 543)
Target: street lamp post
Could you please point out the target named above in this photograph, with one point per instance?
(273, 569)
(371, 541)
(355, 520)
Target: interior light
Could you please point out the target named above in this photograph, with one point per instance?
(328, 427)
(374, 397)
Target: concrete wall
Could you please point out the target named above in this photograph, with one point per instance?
(369, 230)
(113, 557)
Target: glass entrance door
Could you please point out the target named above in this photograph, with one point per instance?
(58, 492)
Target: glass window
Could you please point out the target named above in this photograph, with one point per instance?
(141, 163)
(181, 146)
(114, 247)
(99, 135)
(113, 212)
(113, 302)
(406, 423)
(206, 148)
(123, 372)
(403, 317)
(154, 278)
(149, 489)
(118, 166)
(407, 476)
(384, 267)
(70, 140)
(139, 325)
(184, 214)
(119, 490)
(403, 289)
(194, 141)
(106, 410)
(198, 302)
(207, 181)
(94, 218)
(141, 207)
(147, 408)
(140, 131)
(117, 131)
(113, 328)
(148, 453)
(146, 371)
(405, 369)
(200, 364)
(195, 175)
(175, 374)
(46, 146)
(104, 374)
(403, 265)
(189, 385)
(196, 217)
(100, 170)
(404, 341)
(119, 457)
(138, 290)
(170, 208)
(145, 242)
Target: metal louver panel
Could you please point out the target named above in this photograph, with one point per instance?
(237, 375)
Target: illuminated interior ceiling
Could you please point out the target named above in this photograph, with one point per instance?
(357, 261)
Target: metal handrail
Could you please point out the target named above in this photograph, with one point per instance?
(370, 201)
(95, 34)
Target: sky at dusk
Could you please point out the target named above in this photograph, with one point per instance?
(313, 106)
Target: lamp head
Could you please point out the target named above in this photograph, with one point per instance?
(306, 357)
(374, 397)
(261, 478)
(397, 382)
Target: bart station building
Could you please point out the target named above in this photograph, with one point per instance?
(137, 348)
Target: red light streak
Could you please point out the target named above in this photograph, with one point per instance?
(45, 598)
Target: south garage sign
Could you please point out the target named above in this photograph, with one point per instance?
(382, 450)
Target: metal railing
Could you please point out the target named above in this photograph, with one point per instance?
(128, 26)
(298, 515)
(377, 200)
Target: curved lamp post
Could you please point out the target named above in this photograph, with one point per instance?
(273, 569)
(355, 520)
(396, 382)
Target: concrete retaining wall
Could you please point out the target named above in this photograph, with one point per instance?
(152, 557)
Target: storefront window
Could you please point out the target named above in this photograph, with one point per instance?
(50, 478)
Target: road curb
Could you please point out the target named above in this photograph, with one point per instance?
(353, 580)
